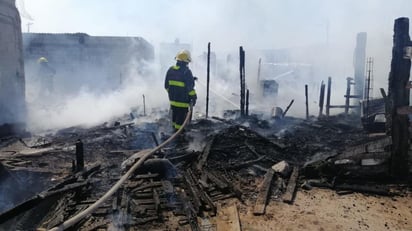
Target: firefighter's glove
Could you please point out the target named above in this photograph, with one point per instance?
(193, 100)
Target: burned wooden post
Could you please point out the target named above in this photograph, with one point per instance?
(321, 98)
(261, 200)
(259, 68)
(347, 96)
(287, 108)
(291, 188)
(328, 96)
(144, 105)
(368, 87)
(208, 80)
(247, 102)
(79, 156)
(258, 83)
(398, 96)
(242, 80)
(307, 103)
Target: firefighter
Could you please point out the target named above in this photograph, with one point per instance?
(179, 83)
(46, 76)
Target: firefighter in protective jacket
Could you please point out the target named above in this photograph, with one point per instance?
(179, 83)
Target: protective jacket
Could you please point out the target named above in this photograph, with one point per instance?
(179, 84)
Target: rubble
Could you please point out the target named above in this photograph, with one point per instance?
(281, 168)
(179, 185)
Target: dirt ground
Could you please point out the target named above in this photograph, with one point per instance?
(321, 209)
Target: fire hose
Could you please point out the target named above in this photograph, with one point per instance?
(75, 219)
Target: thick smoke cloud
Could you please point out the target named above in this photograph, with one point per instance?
(318, 31)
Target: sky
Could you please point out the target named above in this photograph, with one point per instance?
(253, 23)
(227, 24)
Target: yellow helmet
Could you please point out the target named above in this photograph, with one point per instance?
(183, 56)
(42, 60)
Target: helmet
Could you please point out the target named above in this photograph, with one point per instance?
(42, 60)
(183, 56)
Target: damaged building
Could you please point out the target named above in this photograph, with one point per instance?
(99, 63)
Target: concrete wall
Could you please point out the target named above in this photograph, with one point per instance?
(12, 81)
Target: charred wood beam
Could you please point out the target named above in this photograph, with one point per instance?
(154, 138)
(185, 157)
(199, 190)
(96, 225)
(242, 80)
(321, 98)
(245, 163)
(291, 188)
(144, 105)
(264, 189)
(142, 221)
(223, 196)
(353, 97)
(193, 192)
(208, 80)
(375, 189)
(116, 201)
(287, 108)
(221, 184)
(347, 101)
(148, 186)
(342, 106)
(144, 176)
(306, 101)
(189, 210)
(252, 149)
(47, 195)
(79, 156)
(156, 200)
(328, 94)
(205, 154)
(57, 216)
(142, 195)
(247, 103)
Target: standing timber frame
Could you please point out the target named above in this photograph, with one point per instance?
(398, 96)
(208, 80)
(347, 96)
(242, 81)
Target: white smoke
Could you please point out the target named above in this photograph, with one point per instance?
(22, 9)
(319, 32)
(88, 108)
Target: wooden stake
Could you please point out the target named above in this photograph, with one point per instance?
(242, 80)
(79, 156)
(347, 101)
(321, 98)
(208, 79)
(307, 103)
(328, 96)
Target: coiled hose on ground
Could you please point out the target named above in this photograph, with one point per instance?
(75, 219)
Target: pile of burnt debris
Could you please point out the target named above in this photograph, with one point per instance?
(250, 159)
